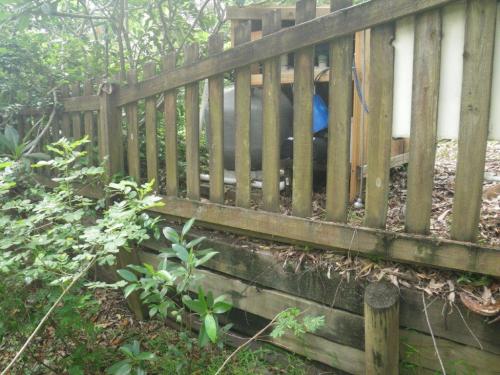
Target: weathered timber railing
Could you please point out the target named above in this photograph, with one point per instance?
(336, 28)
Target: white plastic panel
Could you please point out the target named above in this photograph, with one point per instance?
(452, 49)
(495, 93)
(403, 73)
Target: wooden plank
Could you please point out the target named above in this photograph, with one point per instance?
(65, 120)
(111, 133)
(258, 12)
(88, 124)
(133, 152)
(322, 29)
(267, 303)
(458, 359)
(339, 127)
(379, 125)
(271, 127)
(474, 117)
(337, 5)
(76, 117)
(242, 121)
(81, 104)
(386, 244)
(170, 115)
(341, 327)
(303, 91)
(192, 108)
(426, 69)
(151, 132)
(216, 124)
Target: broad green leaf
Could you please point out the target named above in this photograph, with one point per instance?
(205, 258)
(129, 289)
(120, 368)
(222, 307)
(193, 305)
(127, 275)
(171, 235)
(145, 356)
(11, 135)
(187, 227)
(195, 242)
(181, 252)
(211, 327)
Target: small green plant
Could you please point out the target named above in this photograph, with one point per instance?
(208, 308)
(134, 361)
(166, 289)
(14, 148)
(290, 320)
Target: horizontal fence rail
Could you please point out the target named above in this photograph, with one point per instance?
(156, 97)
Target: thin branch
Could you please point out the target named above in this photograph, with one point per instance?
(253, 338)
(468, 328)
(197, 19)
(35, 142)
(47, 315)
(432, 335)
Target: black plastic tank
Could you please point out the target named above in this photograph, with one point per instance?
(286, 126)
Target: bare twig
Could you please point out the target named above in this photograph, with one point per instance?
(46, 316)
(45, 128)
(468, 328)
(253, 338)
(432, 335)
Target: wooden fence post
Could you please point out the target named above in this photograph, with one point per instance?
(111, 141)
(381, 329)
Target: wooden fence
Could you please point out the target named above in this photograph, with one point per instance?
(337, 28)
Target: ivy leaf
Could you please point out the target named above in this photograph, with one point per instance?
(127, 275)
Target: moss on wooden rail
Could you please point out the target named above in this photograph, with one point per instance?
(389, 245)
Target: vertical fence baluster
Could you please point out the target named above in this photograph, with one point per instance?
(303, 91)
(216, 129)
(56, 125)
(133, 154)
(88, 123)
(76, 117)
(426, 70)
(242, 34)
(381, 81)
(192, 108)
(170, 115)
(474, 117)
(111, 143)
(339, 127)
(65, 118)
(271, 22)
(151, 133)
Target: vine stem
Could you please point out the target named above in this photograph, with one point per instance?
(46, 316)
(253, 338)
